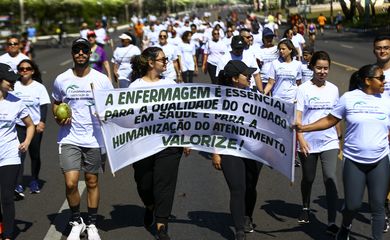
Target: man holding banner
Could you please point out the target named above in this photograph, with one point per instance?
(80, 138)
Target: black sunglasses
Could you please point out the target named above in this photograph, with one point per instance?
(84, 49)
(380, 78)
(22, 69)
(163, 60)
(163, 36)
(13, 44)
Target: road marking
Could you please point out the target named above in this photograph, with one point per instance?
(58, 226)
(348, 68)
(346, 46)
(66, 62)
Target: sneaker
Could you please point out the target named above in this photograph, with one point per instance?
(77, 230)
(343, 233)
(162, 233)
(240, 235)
(332, 229)
(148, 218)
(19, 195)
(92, 232)
(34, 187)
(387, 225)
(305, 216)
(248, 225)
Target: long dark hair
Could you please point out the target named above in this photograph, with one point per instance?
(37, 76)
(140, 63)
(290, 46)
(357, 80)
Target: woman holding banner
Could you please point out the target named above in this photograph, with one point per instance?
(241, 174)
(156, 175)
(315, 99)
(366, 146)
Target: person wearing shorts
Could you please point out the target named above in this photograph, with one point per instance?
(80, 138)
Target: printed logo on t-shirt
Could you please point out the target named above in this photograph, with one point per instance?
(314, 103)
(74, 93)
(363, 107)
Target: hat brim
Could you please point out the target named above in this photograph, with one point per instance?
(249, 71)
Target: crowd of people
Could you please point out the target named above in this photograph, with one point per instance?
(241, 54)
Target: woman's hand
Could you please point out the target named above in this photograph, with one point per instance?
(216, 160)
(23, 147)
(304, 147)
(40, 127)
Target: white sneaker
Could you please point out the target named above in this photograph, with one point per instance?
(92, 232)
(77, 229)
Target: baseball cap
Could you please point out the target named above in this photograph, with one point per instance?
(267, 32)
(81, 41)
(235, 67)
(6, 73)
(238, 42)
(91, 33)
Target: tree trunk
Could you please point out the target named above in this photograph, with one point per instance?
(346, 11)
(372, 6)
(360, 9)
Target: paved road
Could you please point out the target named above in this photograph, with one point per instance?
(201, 203)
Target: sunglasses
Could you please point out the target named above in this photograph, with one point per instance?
(13, 44)
(163, 60)
(163, 36)
(216, 33)
(84, 49)
(22, 69)
(380, 78)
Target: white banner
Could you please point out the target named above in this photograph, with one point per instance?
(137, 123)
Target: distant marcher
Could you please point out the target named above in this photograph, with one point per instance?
(98, 59)
(187, 56)
(13, 56)
(321, 21)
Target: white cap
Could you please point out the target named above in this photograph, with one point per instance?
(125, 36)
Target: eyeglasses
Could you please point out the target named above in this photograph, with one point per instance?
(77, 49)
(162, 60)
(13, 44)
(384, 48)
(216, 33)
(22, 69)
(162, 36)
(380, 78)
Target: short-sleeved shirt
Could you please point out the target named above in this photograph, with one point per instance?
(367, 126)
(170, 52)
(12, 61)
(33, 96)
(142, 83)
(321, 20)
(215, 51)
(266, 56)
(187, 52)
(286, 76)
(122, 57)
(97, 58)
(84, 131)
(316, 102)
(11, 109)
(307, 74)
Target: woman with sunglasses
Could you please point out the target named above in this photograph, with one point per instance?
(11, 108)
(98, 59)
(241, 174)
(187, 56)
(156, 175)
(173, 69)
(35, 96)
(366, 146)
(212, 55)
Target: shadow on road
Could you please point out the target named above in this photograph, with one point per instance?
(123, 216)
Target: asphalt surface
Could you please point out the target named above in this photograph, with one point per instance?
(201, 207)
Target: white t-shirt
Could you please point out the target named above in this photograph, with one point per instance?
(142, 83)
(101, 35)
(170, 52)
(314, 103)
(83, 33)
(187, 52)
(122, 57)
(286, 76)
(228, 43)
(367, 126)
(33, 96)
(307, 74)
(298, 42)
(11, 109)
(258, 39)
(12, 61)
(84, 131)
(215, 51)
(152, 37)
(267, 56)
(175, 41)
